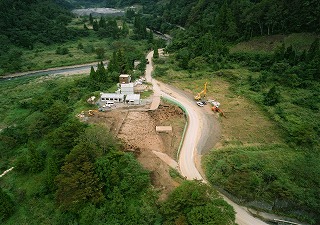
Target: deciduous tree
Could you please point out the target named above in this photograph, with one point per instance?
(196, 203)
(77, 182)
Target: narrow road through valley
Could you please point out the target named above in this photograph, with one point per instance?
(196, 129)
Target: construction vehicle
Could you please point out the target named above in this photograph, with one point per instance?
(215, 107)
(218, 110)
(202, 93)
(92, 112)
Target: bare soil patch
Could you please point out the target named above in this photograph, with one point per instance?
(137, 130)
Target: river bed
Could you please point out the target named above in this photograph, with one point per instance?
(96, 12)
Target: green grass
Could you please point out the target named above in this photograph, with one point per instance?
(276, 176)
(146, 94)
(42, 57)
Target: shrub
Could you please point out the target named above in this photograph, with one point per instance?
(272, 97)
(80, 46)
(89, 49)
(62, 51)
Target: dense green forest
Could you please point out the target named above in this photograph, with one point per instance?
(237, 19)
(25, 24)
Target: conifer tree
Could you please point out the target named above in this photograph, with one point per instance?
(155, 52)
(125, 29)
(36, 161)
(52, 170)
(313, 50)
(290, 55)
(150, 37)
(90, 19)
(272, 97)
(101, 73)
(102, 22)
(279, 52)
(95, 25)
(225, 23)
(122, 62)
(92, 73)
(113, 65)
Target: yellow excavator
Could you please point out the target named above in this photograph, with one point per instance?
(202, 93)
(91, 112)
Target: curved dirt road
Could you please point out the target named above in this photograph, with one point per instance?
(197, 124)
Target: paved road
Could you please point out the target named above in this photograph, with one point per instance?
(196, 126)
(76, 69)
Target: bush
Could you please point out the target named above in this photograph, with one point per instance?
(272, 97)
(62, 51)
(80, 46)
(88, 49)
(159, 72)
(100, 53)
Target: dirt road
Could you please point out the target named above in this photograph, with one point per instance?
(195, 137)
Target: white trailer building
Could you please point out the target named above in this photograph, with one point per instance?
(127, 89)
(112, 97)
(133, 99)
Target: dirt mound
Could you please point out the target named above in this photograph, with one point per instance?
(165, 113)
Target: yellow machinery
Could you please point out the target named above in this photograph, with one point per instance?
(92, 112)
(202, 93)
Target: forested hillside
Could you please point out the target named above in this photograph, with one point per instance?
(236, 19)
(24, 23)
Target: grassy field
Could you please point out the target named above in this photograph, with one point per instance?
(267, 44)
(43, 57)
(246, 123)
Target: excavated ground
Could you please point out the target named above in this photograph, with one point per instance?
(136, 128)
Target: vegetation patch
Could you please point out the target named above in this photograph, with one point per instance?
(270, 177)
